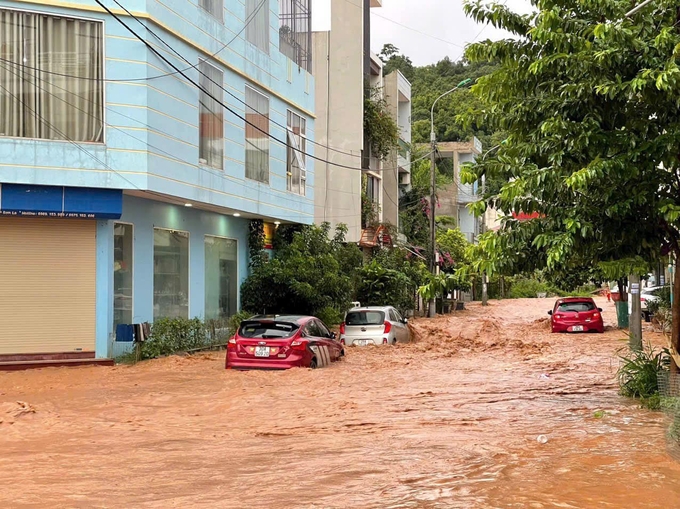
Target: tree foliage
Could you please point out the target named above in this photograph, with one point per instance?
(590, 102)
(310, 274)
(380, 129)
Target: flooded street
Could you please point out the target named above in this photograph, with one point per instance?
(451, 420)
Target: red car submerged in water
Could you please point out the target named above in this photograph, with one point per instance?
(283, 342)
(576, 314)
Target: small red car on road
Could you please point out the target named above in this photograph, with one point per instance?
(576, 314)
(283, 342)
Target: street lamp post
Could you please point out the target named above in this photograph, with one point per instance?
(433, 187)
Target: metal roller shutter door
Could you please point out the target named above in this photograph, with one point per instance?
(47, 285)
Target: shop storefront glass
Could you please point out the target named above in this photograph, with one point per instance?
(221, 278)
(170, 274)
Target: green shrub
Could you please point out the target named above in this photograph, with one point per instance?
(305, 276)
(523, 288)
(385, 287)
(638, 375)
(172, 335)
(331, 316)
(235, 321)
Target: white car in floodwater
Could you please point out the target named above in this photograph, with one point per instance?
(374, 325)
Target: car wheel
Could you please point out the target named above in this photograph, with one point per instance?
(313, 364)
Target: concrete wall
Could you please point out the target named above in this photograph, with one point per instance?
(338, 72)
(390, 175)
(151, 132)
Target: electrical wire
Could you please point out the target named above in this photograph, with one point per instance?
(220, 85)
(209, 94)
(145, 142)
(79, 146)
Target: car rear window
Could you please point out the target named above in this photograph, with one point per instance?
(576, 307)
(267, 330)
(365, 318)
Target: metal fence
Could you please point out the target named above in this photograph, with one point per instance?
(669, 392)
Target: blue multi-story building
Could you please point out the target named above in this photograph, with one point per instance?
(127, 187)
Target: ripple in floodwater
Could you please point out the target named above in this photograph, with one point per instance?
(449, 421)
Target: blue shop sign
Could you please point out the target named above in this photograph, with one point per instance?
(60, 202)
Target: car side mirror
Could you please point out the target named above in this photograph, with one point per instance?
(333, 335)
(599, 309)
(550, 312)
(405, 320)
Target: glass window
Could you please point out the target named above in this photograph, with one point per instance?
(312, 330)
(122, 273)
(257, 136)
(365, 318)
(35, 104)
(170, 274)
(257, 23)
(576, 307)
(323, 330)
(296, 159)
(267, 329)
(214, 8)
(211, 119)
(221, 278)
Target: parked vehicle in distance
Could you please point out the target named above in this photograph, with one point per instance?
(647, 295)
(374, 325)
(282, 342)
(576, 314)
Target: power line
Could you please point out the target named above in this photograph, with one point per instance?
(209, 94)
(220, 85)
(78, 146)
(405, 26)
(122, 130)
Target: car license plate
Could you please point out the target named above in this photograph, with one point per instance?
(577, 328)
(363, 342)
(261, 351)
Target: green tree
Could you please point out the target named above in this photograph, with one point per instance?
(393, 60)
(589, 99)
(307, 276)
(453, 247)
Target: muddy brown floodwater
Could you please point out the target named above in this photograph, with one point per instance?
(449, 421)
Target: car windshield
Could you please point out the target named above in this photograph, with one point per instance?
(365, 318)
(267, 330)
(575, 307)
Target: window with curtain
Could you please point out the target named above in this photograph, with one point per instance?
(213, 7)
(257, 136)
(297, 148)
(221, 278)
(37, 104)
(170, 274)
(211, 121)
(257, 23)
(122, 273)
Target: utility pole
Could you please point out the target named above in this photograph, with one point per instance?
(635, 325)
(433, 190)
(485, 283)
(433, 225)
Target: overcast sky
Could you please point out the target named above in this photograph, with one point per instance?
(432, 29)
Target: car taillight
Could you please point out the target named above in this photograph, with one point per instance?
(384, 341)
(558, 316)
(388, 327)
(342, 328)
(232, 342)
(596, 315)
(342, 341)
(298, 345)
